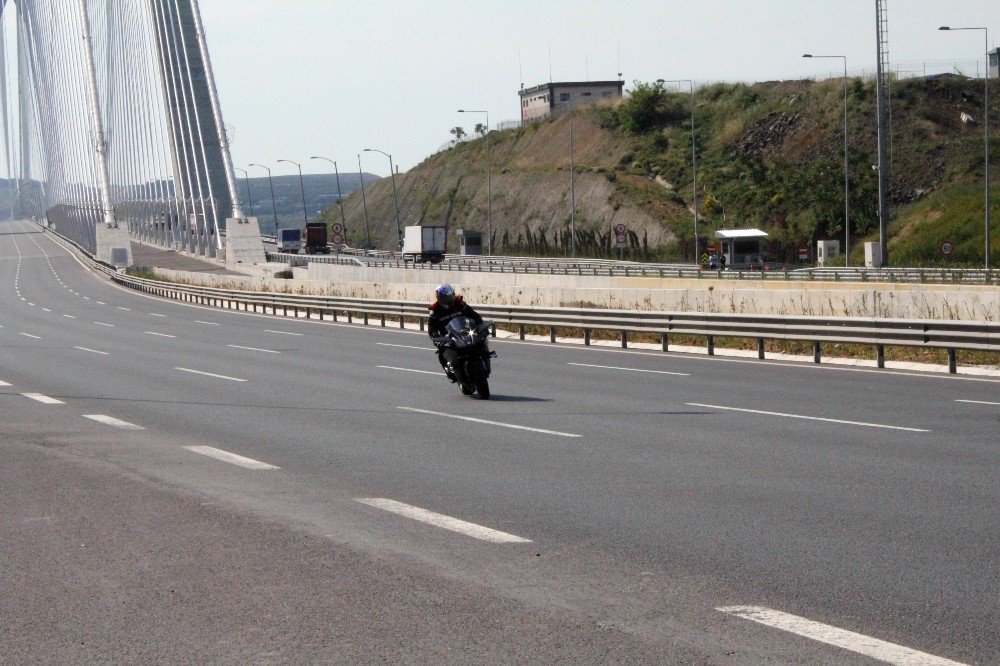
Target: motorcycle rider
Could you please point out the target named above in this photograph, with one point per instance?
(447, 306)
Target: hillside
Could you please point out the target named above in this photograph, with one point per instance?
(770, 156)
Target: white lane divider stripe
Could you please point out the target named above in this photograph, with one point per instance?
(46, 310)
(807, 418)
(848, 640)
(496, 423)
(101, 323)
(121, 308)
(153, 314)
(228, 457)
(392, 367)
(29, 335)
(3, 383)
(44, 399)
(616, 367)
(979, 402)
(69, 316)
(162, 335)
(266, 351)
(281, 332)
(112, 421)
(206, 323)
(389, 344)
(92, 351)
(442, 521)
(210, 374)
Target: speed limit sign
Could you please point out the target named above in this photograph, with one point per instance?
(947, 248)
(337, 239)
(619, 228)
(337, 228)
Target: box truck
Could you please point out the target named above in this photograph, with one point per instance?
(425, 244)
(316, 238)
(289, 240)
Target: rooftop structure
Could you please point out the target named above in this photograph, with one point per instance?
(552, 99)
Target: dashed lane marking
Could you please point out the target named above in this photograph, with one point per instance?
(153, 314)
(807, 418)
(392, 367)
(206, 323)
(232, 458)
(616, 367)
(389, 344)
(210, 374)
(161, 335)
(112, 421)
(495, 423)
(44, 399)
(281, 332)
(29, 335)
(69, 316)
(256, 349)
(979, 402)
(92, 351)
(848, 640)
(442, 521)
(101, 323)
(123, 308)
(3, 383)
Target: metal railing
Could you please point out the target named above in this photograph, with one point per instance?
(880, 333)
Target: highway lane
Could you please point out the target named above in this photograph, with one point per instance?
(643, 487)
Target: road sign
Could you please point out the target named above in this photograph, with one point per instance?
(621, 241)
(713, 247)
(619, 229)
(947, 248)
(337, 238)
(803, 252)
(337, 228)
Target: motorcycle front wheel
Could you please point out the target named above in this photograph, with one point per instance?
(483, 388)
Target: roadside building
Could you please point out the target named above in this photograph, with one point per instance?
(552, 99)
(994, 70)
(741, 247)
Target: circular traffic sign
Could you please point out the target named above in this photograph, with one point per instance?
(337, 228)
(947, 248)
(619, 228)
(337, 239)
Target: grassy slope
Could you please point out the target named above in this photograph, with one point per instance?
(770, 156)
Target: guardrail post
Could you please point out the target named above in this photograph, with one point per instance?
(624, 339)
(664, 342)
(552, 333)
(366, 319)
(493, 330)
(382, 318)
(520, 331)
(309, 313)
(421, 323)
(586, 337)
(816, 351)
(320, 315)
(952, 361)
(760, 348)
(350, 317)
(402, 320)
(711, 345)
(880, 355)
(334, 314)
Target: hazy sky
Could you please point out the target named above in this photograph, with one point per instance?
(330, 77)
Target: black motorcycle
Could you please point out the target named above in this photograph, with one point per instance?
(467, 355)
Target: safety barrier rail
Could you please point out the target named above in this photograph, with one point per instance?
(880, 333)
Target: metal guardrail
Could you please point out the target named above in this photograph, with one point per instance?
(880, 333)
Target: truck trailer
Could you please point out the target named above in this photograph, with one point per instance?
(425, 244)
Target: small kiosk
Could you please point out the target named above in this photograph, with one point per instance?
(469, 242)
(742, 248)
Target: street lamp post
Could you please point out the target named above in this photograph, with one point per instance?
(395, 200)
(302, 186)
(340, 197)
(489, 184)
(694, 163)
(270, 182)
(986, 133)
(364, 202)
(847, 215)
(246, 179)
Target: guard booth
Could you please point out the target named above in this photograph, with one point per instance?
(470, 242)
(742, 248)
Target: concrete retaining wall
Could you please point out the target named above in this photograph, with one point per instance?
(905, 301)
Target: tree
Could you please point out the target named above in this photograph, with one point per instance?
(480, 129)
(458, 132)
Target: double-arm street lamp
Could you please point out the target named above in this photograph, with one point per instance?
(246, 179)
(489, 183)
(302, 186)
(395, 200)
(847, 216)
(986, 132)
(340, 197)
(270, 181)
(694, 162)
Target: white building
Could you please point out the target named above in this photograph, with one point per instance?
(551, 99)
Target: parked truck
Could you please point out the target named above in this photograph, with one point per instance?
(316, 238)
(425, 244)
(289, 240)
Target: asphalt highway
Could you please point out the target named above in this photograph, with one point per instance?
(183, 483)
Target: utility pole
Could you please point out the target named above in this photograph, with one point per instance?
(882, 40)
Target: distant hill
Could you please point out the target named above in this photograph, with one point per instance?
(770, 156)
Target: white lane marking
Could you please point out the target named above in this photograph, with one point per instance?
(210, 374)
(206, 323)
(228, 457)
(101, 323)
(46, 309)
(121, 308)
(92, 351)
(31, 304)
(112, 421)
(153, 314)
(979, 402)
(496, 423)
(848, 640)
(29, 335)
(266, 351)
(281, 332)
(86, 298)
(3, 383)
(616, 367)
(69, 316)
(392, 367)
(162, 335)
(442, 521)
(101, 303)
(389, 344)
(807, 418)
(43, 399)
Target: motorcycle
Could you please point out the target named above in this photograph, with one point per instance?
(467, 355)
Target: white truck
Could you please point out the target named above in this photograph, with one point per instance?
(423, 244)
(289, 240)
